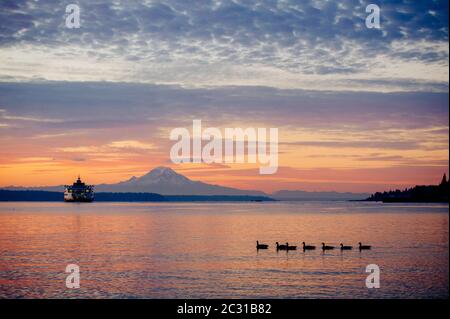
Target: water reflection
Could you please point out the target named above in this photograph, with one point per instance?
(208, 250)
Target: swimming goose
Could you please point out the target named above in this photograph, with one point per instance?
(291, 247)
(281, 247)
(346, 247)
(361, 247)
(308, 247)
(261, 246)
(325, 247)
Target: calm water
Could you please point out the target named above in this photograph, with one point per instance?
(207, 250)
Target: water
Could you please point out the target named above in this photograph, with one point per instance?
(207, 250)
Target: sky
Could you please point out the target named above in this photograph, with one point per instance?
(357, 109)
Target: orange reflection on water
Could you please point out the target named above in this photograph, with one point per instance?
(208, 250)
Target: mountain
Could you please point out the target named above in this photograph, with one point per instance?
(161, 180)
(303, 195)
(166, 181)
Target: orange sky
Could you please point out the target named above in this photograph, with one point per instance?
(309, 159)
(357, 109)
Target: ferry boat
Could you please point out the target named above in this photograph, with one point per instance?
(78, 192)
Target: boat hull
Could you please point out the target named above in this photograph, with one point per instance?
(70, 197)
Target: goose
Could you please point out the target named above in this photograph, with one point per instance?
(346, 247)
(290, 247)
(261, 246)
(308, 247)
(365, 247)
(325, 247)
(281, 247)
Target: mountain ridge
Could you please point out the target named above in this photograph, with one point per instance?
(160, 180)
(165, 181)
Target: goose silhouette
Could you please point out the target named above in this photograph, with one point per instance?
(346, 247)
(261, 246)
(281, 247)
(325, 247)
(308, 247)
(364, 247)
(290, 247)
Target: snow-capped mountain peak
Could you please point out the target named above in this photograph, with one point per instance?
(163, 175)
(164, 180)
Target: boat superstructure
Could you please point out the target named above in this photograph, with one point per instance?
(78, 192)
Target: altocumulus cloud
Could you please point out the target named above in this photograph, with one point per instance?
(86, 105)
(289, 44)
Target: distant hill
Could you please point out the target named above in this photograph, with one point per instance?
(305, 196)
(30, 196)
(417, 194)
(45, 196)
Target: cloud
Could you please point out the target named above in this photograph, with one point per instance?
(327, 137)
(128, 144)
(397, 145)
(80, 149)
(155, 109)
(123, 122)
(4, 115)
(35, 159)
(127, 148)
(31, 119)
(56, 135)
(295, 44)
